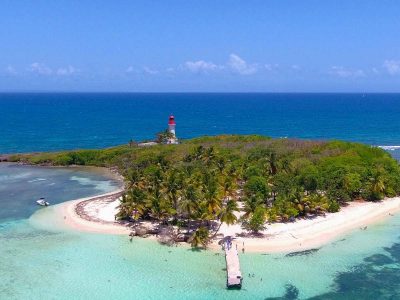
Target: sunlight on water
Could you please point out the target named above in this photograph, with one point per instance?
(41, 260)
(70, 264)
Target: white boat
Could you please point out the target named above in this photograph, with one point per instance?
(42, 202)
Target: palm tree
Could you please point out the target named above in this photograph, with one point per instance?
(284, 165)
(228, 186)
(134, 177)
(210, 192)
(188, 202)
(208, 155)
(159, 208)
(162, 162)
(377, 186)
(200, 237)
(212, 201)
(137, 199)
(173, 186)
(271, 162)
(124, 208)
(198, 153)
(250, 205)
(221, 163)
(227, 214)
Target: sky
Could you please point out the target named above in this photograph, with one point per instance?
(200, 46)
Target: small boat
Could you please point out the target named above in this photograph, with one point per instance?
(42, 202)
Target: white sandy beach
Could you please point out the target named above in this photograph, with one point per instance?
(100, 211)
(311, 233)
(278, 237)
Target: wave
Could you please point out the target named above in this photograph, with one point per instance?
(37, 179)
(14, 176)
(389, 148)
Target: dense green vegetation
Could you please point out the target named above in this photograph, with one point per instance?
(205, 180)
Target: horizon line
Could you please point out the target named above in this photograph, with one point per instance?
(186, 92)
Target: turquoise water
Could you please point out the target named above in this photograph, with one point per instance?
(21, 186)
(42, 261)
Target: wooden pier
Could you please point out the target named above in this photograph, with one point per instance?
(234, 276)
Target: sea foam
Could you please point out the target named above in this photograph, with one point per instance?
(389, 148)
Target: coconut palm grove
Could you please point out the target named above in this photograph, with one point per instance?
(201, 183)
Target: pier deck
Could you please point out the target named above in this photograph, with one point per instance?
(234, 276)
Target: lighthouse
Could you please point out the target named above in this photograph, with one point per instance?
(171, 125)
(171, 129)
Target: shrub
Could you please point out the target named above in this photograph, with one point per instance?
(333, 206)
(257, 220)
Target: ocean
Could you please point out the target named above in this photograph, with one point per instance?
(41, 261)
(47, 122)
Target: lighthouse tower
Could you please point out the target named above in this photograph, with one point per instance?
(171, 125)
(171, 130)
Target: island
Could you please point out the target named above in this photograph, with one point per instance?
(266, 194)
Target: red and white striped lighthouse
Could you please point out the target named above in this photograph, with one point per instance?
(171, 125)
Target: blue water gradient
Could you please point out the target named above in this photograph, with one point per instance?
(21, 186)
(42, 260)
(44, 122)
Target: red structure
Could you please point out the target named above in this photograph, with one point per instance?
(171, 120)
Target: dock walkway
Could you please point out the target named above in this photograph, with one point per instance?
(234, 276)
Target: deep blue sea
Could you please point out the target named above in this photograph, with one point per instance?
(44, 122)
(39, 260)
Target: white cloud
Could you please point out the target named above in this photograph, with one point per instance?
(392, 66)
(143, 70)
(11, 70)
(343, 72)
(271, 67)
(239, 65)
(40, 69)
(296, 67)
(67, 71)
(149, 71)
(375, 71)
(201, 66)
(130, 69)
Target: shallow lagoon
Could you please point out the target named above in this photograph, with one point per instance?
(40, 263)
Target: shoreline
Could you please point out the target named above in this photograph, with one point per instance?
(110, 172)
(96, 214)
(77, 217)
(307, 234)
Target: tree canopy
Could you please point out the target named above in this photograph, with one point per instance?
(208, 180)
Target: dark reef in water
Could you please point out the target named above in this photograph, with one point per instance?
(291, 293)
(302, 253)
(378, 277)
